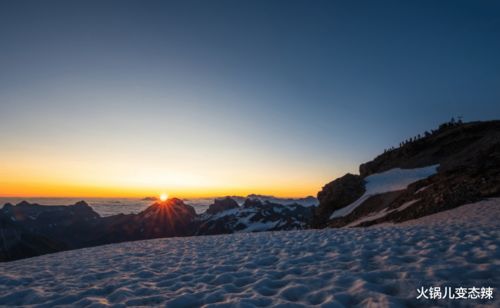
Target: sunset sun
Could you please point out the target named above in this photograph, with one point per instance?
(163, 197)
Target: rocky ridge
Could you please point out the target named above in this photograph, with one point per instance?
(31, 229)
(468, 156)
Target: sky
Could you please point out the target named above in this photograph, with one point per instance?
(208, 98)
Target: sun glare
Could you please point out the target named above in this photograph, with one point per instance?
(163, 197)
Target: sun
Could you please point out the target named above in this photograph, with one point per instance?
(163, 197)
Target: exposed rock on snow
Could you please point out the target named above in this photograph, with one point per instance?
(221, 205)
(381, 214)
(338, 194)
(381, 266)
(255, 216)
(391, 180)
(306, 202)
(452, 146)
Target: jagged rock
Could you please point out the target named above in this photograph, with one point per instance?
(307, 201)
(451, 146)
(255, 216)
(42, 214)
(338, 194)
(222, 204)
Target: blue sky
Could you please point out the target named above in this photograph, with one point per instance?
(235, 94)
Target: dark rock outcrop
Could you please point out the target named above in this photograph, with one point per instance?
(450, 146)
(37, 215)
(338, 194)
(222, 204)
(17, 242)
(62, 224)
(307, 201)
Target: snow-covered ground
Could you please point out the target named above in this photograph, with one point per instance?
(329, 268)
(390, 180)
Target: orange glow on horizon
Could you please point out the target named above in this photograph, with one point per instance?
(44, 190)
(27, 176)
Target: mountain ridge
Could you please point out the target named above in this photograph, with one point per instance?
(58, 228)
(468, 156)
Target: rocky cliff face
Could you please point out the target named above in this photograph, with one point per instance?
(338, 194)
(468, 156)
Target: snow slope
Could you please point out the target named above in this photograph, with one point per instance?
(322, 268)
(390, 180)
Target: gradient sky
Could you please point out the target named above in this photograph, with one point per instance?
(203, 98)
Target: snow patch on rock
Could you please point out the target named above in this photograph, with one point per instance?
(390, 180)
(382, 213)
